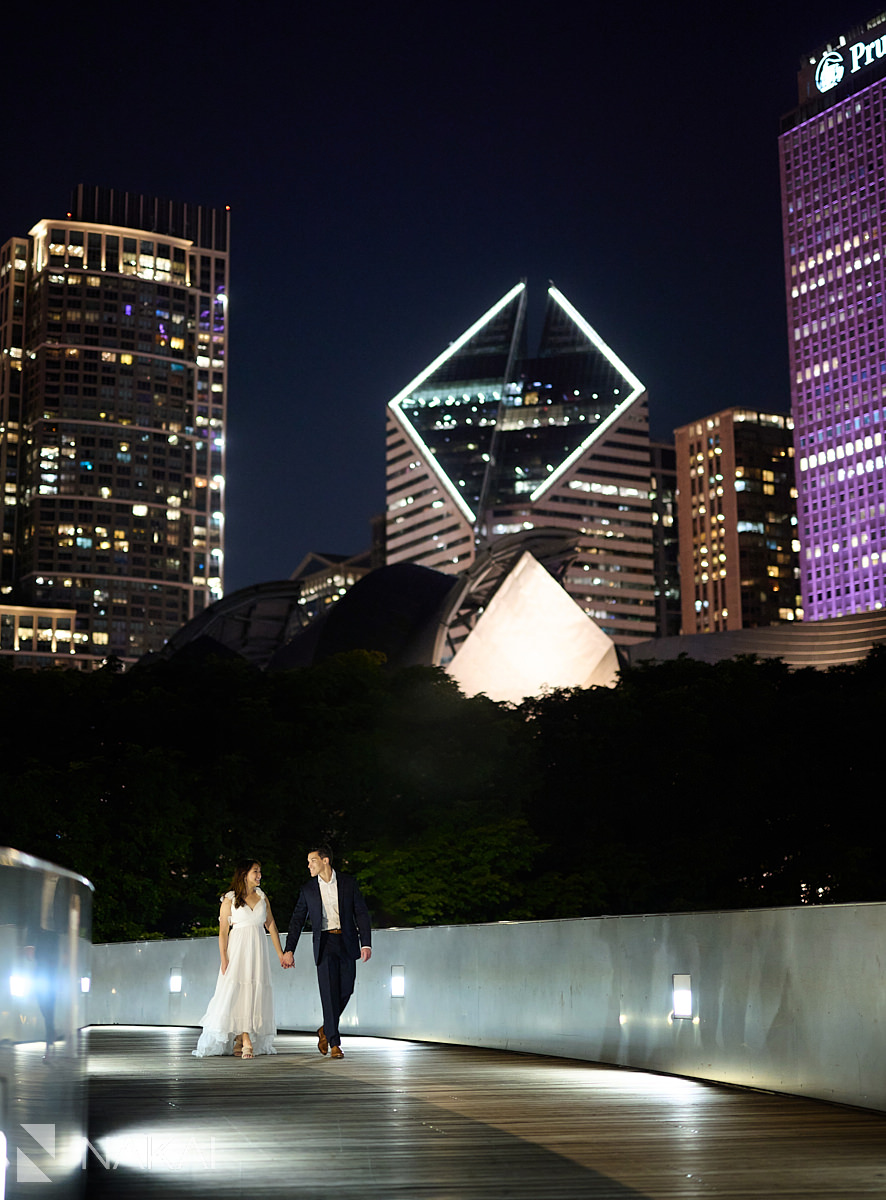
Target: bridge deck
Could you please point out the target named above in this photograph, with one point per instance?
(431, 1122)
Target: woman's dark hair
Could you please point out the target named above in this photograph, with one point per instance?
(238, 883)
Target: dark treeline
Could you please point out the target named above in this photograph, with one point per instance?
(688, 786)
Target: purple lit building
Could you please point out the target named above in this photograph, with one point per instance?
(833, 177)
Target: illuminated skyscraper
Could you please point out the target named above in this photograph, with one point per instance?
(488, 441)
(833, 173)
(737, 521)
(113, 322)
(665, 540)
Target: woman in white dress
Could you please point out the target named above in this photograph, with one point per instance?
(242, 1008)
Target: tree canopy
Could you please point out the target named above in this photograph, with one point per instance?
(687, 786)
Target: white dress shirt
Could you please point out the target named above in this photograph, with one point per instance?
(329, 896)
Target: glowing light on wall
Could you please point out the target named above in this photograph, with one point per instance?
(175, 980)
(19, 986)
(682, 993)
(398, 981)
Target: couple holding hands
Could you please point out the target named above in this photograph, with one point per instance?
(240, 1016)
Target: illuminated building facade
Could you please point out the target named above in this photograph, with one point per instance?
(665, 539)
(487, 442)
(13, 283)
(112, 417)
(325, 578)
(739, 563)
(833, 176)
(37, 637)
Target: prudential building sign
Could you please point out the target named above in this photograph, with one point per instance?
(834, 65)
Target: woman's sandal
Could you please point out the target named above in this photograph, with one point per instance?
(247, 1054)
(238, 1046)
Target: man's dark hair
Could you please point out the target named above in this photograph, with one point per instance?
(323, 850)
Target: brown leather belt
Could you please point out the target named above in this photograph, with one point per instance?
(331, 931)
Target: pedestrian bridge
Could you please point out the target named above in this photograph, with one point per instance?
(734, 1053)
(443, 1122)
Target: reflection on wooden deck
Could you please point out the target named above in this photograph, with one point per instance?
(408, 1119)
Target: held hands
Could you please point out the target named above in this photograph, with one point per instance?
(288, 960)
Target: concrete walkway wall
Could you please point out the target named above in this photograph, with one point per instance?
(790, 999)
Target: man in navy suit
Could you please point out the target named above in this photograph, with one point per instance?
(342, 934)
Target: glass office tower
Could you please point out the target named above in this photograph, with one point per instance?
(665, 538)
(833, 176)
(489, 441)
(112, 417)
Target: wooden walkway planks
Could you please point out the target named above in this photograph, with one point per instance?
(409, 1119)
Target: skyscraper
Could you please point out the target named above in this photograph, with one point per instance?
(488, 441)
(665, 538)
(113, 322)
(737, 514)
(833, 178)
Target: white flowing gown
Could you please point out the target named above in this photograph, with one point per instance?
(244, 999)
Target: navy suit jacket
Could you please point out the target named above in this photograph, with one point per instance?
(356, 930)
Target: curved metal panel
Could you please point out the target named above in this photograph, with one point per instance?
(45, 931)
(787, 999)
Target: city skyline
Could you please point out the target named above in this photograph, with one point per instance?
(391, 173)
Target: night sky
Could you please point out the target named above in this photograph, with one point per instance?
(393, 169)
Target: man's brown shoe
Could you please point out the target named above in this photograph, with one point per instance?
(336, 1052)
(322, 1044)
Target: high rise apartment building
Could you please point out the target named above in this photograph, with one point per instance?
(737, 521)
(113, 385)
(833, 177)
(489, 441)
(665, 538)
